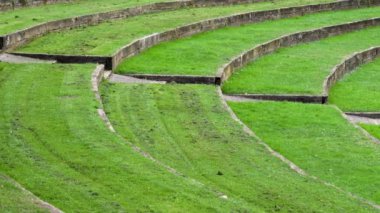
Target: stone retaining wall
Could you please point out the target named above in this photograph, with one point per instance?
(284, 97)
(69, 59)
(348, 65)
(139, 45)
(373, 115)
(12, 4)
(289, 40)
(18, 38)
(251, 17)
(182, 79)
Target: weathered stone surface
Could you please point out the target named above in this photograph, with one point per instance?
(183, 79)
(8, 5)
(280, 97)
(251, 17)
(18, 38)
(69, 59)
(289, 40)
(371, 115)
(348, 65)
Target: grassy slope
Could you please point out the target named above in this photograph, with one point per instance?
(22, 18)
(373, 129)
(90, 40)
(360, 90)
(301, 69)
(13, 199)
(186, 127)
(177, 57)
(54, 144)
(319, 140)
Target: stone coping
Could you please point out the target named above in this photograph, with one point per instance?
(182, 79)
(33, 3)
(281, 97)
(373, 115)
(290, 40)
(348, 65)
(15, 39)
(146, 42)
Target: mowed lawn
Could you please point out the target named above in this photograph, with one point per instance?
(372, 129)
(359, 91)
(108, 37)
(204, 53)
(186, 127)
(300, 69)
(53, 143)
(21, 18)
(14, 199)
(319, 140)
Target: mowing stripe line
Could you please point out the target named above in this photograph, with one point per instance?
(96, 79)
(37, 200)
(247, 130)
(291, 165)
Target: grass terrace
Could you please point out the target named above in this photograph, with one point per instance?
(177, 147)
(13, 199)
(21, 18)
(359, 91)
(118, 33)
(319, 140)
(300, 69)
(178, 57)
(372, 129)
(187, 127)
(54, 144)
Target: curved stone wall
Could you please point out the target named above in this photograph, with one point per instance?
(141, 44)
(211, 24)
(18, 38)
(12, 4)
(348, 65)
(289, 40)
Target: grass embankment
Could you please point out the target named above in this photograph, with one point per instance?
(359, 91)
(186, 127)
(319, 140)
(178, 57)
(301, 69)
(372, 129)
(18, 19)
(53, 143)
(91, 40)
(14, 199)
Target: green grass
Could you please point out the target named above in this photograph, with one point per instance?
(178, 57)
(301, 69)
(360, 90)
(319, 140)
(372, 129)
(90, 40)
(53, 143)
(186, 127)
(18, 19)
(13, 199)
